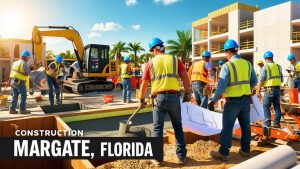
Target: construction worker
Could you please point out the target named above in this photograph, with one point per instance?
(199, 74)
(52, 72)
(75, 68)
(271, 79)
(126, 73)
(163, 71)
(237, 79)
(221, 62)
(18, 76)
(294, 72)
(260, 63)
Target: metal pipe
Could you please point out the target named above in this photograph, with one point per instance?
(280, 157)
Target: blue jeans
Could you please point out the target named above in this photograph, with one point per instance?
(268, 99)
(52, 83)
(127, 87)
(169, 103)
(201, 99)
(295, 83)
(236, 108)
(16, 89)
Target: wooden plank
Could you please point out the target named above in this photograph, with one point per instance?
(1, 127)
(34, 164)
(34, 124)
(48, 123)
(8, 164)
(21, 164)
(9, 127)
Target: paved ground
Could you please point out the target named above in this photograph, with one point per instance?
(88, 101)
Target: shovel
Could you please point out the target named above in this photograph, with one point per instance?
(126, 124)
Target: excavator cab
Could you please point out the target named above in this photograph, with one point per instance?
(96, 58)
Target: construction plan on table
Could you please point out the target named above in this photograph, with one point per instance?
(205, 122)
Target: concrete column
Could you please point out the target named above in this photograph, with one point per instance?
(208, 35)
(234, 25)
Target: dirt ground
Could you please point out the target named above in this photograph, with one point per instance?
(197, 157)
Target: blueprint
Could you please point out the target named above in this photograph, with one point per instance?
(204, 122)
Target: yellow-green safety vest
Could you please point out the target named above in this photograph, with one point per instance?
(164, 73)
(56, 69)
(273, 71)
(240, 73)
(124, 73)
(18, 70)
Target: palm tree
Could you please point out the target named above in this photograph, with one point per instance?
(182, 47)
(144, 58)
(117, 49)
(49, 54)
(135, 48)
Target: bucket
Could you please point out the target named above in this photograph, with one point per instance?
(124, 127)
(293, 96)
(108, 98)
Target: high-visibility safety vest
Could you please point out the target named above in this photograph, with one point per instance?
(240, 72)
(18, 70)
(295, 66)
(273, 71)
(164, 73)
(124, 73)
(56, 69)
(198, 72)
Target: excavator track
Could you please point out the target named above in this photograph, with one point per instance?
(83, 86)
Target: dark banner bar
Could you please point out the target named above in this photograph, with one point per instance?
(106, 148)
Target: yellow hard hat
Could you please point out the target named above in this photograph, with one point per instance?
(260, 62)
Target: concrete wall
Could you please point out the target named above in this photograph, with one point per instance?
(273, 34)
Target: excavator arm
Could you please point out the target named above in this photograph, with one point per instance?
(54, 31)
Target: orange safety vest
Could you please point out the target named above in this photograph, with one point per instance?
(199, 73)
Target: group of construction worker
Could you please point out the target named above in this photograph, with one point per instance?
(237, 82)
(20, 73)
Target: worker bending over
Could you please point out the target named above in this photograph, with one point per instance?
(271, 79)
(237, 79)
(163, 71)
(294, 72)
(53, 80)
(126, 73)
(199, 76)
(18, 76)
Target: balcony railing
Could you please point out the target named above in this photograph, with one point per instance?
(246, 24)
(296, 36)
(216, 49)
(219, 31)
(248, 44)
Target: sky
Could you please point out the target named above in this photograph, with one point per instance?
(109, 21)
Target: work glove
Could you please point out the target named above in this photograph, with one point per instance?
(211, 106)
(142, 103)
(186, 97)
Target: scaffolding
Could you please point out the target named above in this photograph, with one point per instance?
(296, 36)
(246, 24)
(247, 44)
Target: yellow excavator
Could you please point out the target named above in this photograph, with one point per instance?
(93, 59)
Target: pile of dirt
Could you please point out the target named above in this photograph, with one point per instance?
(198, 151)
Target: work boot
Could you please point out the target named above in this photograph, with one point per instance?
(276, 125)
(129, 101)
(25, 112)
(157, 163)
(243, 153)
(181, 161)
(124, 101)
(217, 155)
(13, 112)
